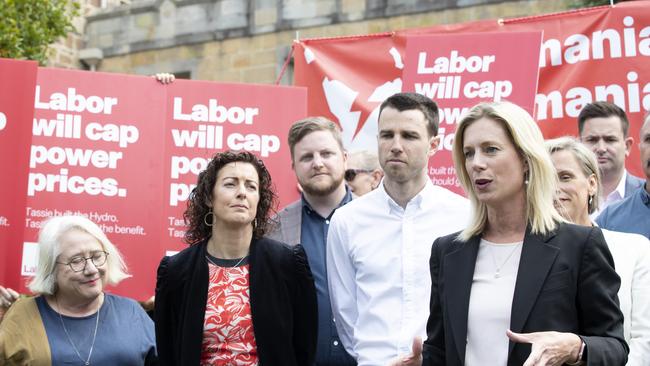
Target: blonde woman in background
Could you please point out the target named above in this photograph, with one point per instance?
(577, 198)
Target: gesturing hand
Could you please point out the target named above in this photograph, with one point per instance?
(414, 359)
(549, 348)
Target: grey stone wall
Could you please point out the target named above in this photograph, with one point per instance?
(154, 24)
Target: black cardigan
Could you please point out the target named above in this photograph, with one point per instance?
(283, 305)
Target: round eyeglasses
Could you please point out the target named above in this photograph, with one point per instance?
(78, 264)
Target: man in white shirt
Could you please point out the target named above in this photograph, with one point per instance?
(378, 246)
(604, 128)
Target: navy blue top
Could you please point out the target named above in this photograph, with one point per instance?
(125, 334)
(631, 215)
(313, 237)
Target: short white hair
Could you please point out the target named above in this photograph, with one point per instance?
(363, 159)
(49, 248)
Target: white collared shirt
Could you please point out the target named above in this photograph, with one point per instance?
(378, 268)
(619, 193)
(616, 195)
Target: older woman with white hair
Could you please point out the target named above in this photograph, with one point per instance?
(577, 198)
(72, 320)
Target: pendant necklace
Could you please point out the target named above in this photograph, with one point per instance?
(225, 269)
(92, 345)
(497, 273)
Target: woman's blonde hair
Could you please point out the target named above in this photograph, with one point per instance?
(523, 132)
(49, 248)
(586, 159)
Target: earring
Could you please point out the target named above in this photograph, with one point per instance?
(205, 218)
(591, 199)
(526, 178)
(254, 223)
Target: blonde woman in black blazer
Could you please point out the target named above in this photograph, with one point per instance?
(519, 286)
(227, 216)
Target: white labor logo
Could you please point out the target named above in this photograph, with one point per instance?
(3, 121)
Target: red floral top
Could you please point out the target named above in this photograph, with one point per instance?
(228, 338)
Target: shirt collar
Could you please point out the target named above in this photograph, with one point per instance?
(346, 198)
(420, 200)
(620, 188)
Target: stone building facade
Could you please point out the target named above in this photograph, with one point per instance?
(65, 52)
(248, 40)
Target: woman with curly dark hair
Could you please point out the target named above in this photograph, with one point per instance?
(234, 297)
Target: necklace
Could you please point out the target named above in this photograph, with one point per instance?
(92, 345)
(225, 269)
(497, 273)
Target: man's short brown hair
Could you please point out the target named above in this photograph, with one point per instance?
(304, 127)
(602, 110)
(408, 101)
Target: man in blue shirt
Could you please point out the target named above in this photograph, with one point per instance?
(319, 161)
(632, 215)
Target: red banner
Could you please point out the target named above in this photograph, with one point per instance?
(461, 70)
(125, 152)
(591, 54)
(203, 117)
(16, 112)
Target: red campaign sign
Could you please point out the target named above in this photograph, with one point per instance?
(96, 152)
(125, 151)
(589, 54)
(16, 111)
(206, 117)
(458, 71)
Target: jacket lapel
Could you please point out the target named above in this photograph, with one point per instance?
(457, 289)
(537, 258)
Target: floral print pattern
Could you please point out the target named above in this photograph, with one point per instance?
(228, 338)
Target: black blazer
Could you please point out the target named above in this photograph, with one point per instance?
(566, 282)
(282, 296)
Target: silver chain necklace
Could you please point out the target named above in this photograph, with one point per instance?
(497, 273)
(92, 345)
(225, 269)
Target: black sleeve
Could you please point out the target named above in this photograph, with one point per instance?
(151, 359)
(305, 309)
(164, 317)
(601, 319)
(433, 352)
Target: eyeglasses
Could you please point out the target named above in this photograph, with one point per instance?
(78, 264)
(350, 174)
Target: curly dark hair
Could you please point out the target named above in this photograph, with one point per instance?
(201, 195)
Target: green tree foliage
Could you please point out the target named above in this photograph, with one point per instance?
(28, 27)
